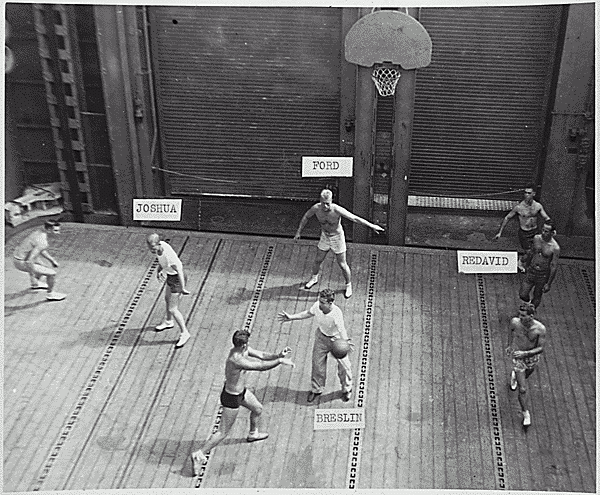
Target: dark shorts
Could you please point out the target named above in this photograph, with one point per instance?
(526, 238)
(174, 284)
(233, 401)
(536, 277)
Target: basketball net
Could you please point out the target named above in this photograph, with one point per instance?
(385, 78)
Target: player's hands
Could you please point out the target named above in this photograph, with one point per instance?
(546, 288)
(351, 344)
(378, 229)
(518, 354)
(288, 362)
(285, 352)
(185, 292)
(297, 236)
(509, 351)
(496, 237)
(283, 316)
(54, 264)
(161, 276)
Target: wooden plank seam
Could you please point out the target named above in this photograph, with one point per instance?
(490, 383)
(360, 398)
(590, 288)
(248, 324)
(93, 379)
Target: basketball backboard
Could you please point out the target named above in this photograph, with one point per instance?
(388, 36)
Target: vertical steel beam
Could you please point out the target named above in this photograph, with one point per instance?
(59, 93)
(364, 146)
(347, 111)
(116, 84)
(142, 114)
(404, 101)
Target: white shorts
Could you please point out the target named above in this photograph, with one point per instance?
(335, 242)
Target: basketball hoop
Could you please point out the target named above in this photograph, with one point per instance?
(386, 78)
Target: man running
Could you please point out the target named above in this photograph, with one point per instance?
(329, 327)
(26, 259)
(332, 235)
(526, 339)
(527, 210)
(541, 263)
(170, 264)
(242, 358)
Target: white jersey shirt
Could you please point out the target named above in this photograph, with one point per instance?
(330, 324)
(169, 257)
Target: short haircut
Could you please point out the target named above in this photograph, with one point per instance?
(530, 185)
(550, 222)
(50, 224)
(240, 338)
(328, 294)
(327, 193)
(528, 307)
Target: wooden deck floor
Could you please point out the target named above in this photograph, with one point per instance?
(94, 398)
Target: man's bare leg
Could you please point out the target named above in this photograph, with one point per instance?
(251, 402)
(341, 260)
(523, 397)
(319, 258)
(228, 417)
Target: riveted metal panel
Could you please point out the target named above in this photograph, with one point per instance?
(243, 94)
(480, 106)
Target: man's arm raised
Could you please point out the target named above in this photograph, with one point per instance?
(356, 219)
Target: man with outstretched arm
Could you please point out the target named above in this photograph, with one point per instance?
(329, 322)
(527, 210)
(330, 216)
(242, 358)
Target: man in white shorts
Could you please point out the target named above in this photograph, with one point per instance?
(332, 235)
(170, 264)
(26, 259)
(329, 322)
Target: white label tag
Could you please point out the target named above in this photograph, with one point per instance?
(157, 209)
(487, 261)
(337, 419)
(315, 166)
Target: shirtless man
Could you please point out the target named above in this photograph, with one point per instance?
(332, 235)
(526, 339)
(26, 255)
(541, 263)
(527, 210)
(242, 358)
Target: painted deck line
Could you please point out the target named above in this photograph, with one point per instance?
(360, 397)
(491, 388)
(93, 379)
(248, 324)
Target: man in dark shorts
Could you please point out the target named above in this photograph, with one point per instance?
(527, 210)
(541, 263)
(526, 339)
(170, 265)
(242, 358)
